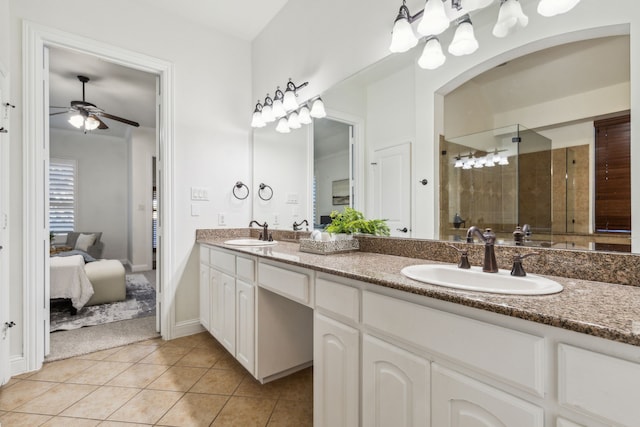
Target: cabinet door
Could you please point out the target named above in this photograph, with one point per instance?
(459, 401)
(395, 386)
(205, 300)
(336, 354)
(245, 339)
(226, 306)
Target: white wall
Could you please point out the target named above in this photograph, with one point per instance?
(102, 185)
(142, 148)
(331, 56)
(212, 75)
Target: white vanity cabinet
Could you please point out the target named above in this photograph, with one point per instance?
(227, 301)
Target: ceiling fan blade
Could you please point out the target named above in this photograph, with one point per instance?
(120, 119)
(53, 106)
(59, 112)
(102, 124)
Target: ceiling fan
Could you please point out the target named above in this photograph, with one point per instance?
(87, 115)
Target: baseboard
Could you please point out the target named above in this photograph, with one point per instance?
(188, 327)
(18, 365)
(139, 267)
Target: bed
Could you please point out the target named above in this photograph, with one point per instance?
(69, 280)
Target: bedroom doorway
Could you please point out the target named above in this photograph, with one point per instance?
(116, 212)
(37, 38)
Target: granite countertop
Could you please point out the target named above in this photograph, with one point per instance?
(604, 310)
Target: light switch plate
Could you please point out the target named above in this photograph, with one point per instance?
(195, 209)
(199, 193)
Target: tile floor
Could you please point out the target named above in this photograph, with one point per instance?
(190, 381)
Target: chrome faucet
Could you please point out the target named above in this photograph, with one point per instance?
(297, 226)
(489, 238)
(265, 236)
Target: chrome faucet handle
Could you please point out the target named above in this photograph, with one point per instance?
(464, 257)
(517, 269)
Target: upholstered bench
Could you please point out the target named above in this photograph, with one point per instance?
(107, 278)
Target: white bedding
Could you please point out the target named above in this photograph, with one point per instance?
(69, 280)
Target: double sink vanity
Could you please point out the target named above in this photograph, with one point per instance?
(389, 350)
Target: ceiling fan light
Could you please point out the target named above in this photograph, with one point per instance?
(504, 161)
(432, 56)
(76, 120)
(283, 126)
(459, 163)
(91, 123)
(294, 121)
(550, 8)
(317, 109)
(303, 116)
(434, 19)
(464, 41)
(402, 36)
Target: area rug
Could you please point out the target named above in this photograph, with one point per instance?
(140, 302)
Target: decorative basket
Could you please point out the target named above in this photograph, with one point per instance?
(329, 247)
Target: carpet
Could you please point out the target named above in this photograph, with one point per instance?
(140, 302)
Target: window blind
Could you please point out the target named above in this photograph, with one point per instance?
(62, 195)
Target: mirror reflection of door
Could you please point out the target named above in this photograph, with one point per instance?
(5, 364)
(332, 181)
(392, 188)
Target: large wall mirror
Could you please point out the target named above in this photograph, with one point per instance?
(561, 94)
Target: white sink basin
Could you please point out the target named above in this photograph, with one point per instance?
(249, 242)
(475, 279)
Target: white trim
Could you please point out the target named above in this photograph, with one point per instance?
(35, 38)
(188, 327)
(5, 279)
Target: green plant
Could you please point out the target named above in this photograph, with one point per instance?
(352, 221)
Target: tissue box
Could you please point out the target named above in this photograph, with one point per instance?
(329, 247)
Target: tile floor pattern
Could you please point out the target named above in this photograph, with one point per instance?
(190, 381)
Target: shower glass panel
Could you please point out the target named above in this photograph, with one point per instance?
(496, 179)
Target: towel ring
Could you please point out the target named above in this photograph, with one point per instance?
(238, 187)
(263, 187)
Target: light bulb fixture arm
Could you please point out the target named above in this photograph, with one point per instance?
(292, 86)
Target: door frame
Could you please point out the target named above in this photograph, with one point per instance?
(35, 148)
(5, 336)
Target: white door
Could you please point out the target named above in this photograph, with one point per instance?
(459, 401)
(336, 354)
(245, 325)
(5, 320)
(392, 188)
(395, 386)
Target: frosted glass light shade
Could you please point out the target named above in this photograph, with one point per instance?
(283, 126)
(464, 41)
(470, 5)
(402, 37)
(509, 16)
(503, 161)
(267, 114)
(91, 123)
(303, 116)
(317, 109)
(294, 121)
(278, 109)
(77, 121)
(257, 121)
(289, 103)
(432, 56)
(555, 7)
(459, 163)
(434, 19)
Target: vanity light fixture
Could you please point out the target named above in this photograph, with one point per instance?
(436, 16)
(285, 109)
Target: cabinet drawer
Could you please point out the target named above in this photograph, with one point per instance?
(245, 269)
(204, 254)
(292, 284)
(512, 356)
(338, 298)
(223, 261)
(600, 385)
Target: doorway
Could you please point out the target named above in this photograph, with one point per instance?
(36, 151)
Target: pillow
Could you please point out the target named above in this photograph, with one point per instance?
(84, 241)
